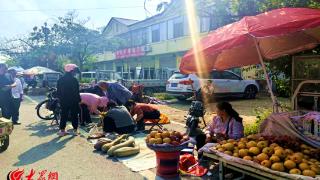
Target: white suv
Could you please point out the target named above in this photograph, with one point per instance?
(226, 83)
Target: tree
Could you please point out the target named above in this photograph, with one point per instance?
(68, 38)
(223, 12)
(162, 6)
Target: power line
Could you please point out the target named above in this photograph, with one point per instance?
(73, 9)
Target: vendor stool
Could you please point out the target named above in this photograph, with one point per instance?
(153, 123)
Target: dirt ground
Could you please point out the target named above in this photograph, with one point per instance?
(177, 110)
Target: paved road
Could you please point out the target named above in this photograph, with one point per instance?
(36, 146)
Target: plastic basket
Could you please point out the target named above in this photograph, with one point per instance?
(169, 147)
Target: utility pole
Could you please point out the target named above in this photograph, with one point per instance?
(46, 32)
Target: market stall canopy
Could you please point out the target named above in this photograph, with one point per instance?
(17, 68)
(38, 70)
(266, 36)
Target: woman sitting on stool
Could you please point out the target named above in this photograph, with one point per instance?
(143, 111)
(226, 125)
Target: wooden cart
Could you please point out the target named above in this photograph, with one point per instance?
(243, 169)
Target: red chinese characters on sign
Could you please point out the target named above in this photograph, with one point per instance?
(53, 176)
(130, 52)
(42, 175)
(30, 176)
(15, 175)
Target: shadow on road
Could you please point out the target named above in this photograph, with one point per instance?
(41, 129)
(42, 151)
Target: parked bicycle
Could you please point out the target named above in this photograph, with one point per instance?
(50, 109)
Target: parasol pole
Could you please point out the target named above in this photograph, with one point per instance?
(274, 99)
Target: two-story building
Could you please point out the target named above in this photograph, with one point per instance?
(154, 46)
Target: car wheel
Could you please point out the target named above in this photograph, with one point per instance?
(4, 144)
(250, 92)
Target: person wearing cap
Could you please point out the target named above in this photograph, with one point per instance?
(143, 111)
(118, 119)
(91, 102)
(5, 92)
(137, 91)
(118, 93)
(99, 89)
(69, 98)
(17, 94)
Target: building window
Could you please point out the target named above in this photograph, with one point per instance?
(119, 69)
(178, 27)
(136, 38)
(163, 31)
(117, 28)
(139, 37)
(144, 36)
(204, 24)
(128, 40)
(155, 32)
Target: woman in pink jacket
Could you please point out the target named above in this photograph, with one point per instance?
(93, 102)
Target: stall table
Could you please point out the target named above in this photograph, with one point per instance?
(244, 169)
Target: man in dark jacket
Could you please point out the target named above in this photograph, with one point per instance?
(118, 93)
(69, 96)
(5, 92)
(100, 90)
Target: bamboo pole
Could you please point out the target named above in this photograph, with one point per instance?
(274, 99)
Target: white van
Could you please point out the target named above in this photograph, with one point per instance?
(90, 75)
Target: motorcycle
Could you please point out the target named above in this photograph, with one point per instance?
(196, 111)
(6, 128)
(50, 108)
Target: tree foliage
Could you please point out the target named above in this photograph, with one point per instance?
(227, 11)
(66, 39)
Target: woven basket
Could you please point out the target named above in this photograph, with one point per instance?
(169, 147)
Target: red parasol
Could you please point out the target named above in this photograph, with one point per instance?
(253, 39)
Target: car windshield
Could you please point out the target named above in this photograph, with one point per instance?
(179, 76)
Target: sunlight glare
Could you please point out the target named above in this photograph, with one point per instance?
(195, 38)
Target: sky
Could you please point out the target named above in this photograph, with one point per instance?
(18, 17)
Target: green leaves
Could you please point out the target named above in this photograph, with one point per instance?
(67, 39)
